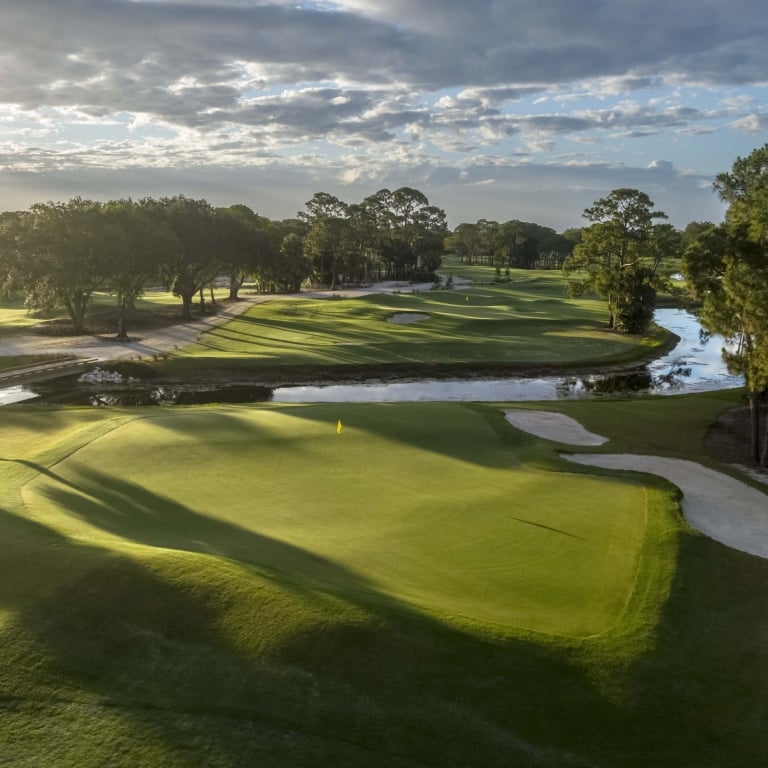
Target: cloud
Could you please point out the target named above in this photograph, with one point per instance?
(363, 91)
(756, 123)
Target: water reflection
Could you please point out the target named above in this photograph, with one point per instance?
(693, 366)
(15, 394)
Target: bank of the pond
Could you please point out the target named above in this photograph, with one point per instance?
(658, 343)
(681, 363)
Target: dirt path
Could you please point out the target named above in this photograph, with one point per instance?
(718, 505)
(166, 339)
(140, 344)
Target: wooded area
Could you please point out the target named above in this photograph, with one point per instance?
(60, 254)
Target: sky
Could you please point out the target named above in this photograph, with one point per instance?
(495, 109)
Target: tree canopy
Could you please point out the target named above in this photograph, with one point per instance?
(726, 267)
(619, 254)
(59, 254)
(389, 235)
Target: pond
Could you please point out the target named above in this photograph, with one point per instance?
(691, 367)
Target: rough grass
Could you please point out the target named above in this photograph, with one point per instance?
(127, 639)
(659, 425)
(9, 362)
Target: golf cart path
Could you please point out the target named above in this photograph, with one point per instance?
(139, 344)
(718, 505)
(160, 340)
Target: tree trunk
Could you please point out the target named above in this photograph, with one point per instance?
(764, 455)
(202, 302)
(234, 286)
(186, 306)
(76, 307)
(122, 306)
(754, 413)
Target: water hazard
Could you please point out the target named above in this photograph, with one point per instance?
(693, 366)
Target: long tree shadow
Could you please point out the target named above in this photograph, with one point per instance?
(362, 679)
(119, 641)
(474, 433)
(127, 510)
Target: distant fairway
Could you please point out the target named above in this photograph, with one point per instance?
(530, 321)
(418, 503)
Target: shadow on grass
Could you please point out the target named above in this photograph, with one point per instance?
(188, 662)
(704, 688)
(448, 429)
(127, 510)
(295, 661)
(548, 528)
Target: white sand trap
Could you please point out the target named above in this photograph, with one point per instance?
(406, 318)
(718, 505)
(553, 426)
(723, 508)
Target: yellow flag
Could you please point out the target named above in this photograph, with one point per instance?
(338, 428)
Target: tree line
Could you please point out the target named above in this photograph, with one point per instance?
(617, 257)
(513, 244)
(60, 254)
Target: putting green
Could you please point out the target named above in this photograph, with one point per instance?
(422, 503)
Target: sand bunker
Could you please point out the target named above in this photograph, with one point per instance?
(553, 426)
(406, 318)
(718, 505)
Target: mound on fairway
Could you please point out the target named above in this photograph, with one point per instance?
(424, 504)
(533, 322)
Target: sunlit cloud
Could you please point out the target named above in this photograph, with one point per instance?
(363, 94)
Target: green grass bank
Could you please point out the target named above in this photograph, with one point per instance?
(526, 324)
(238, 585)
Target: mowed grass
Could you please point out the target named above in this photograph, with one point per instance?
(239, 586)
(424, 504)
(530, 321)
(153, 306)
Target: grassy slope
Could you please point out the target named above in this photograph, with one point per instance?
(121, 653)
(529, 321)
(422, 502)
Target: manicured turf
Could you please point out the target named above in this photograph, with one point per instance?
(529, 321)
(422, 502)
(659, 425)
(155, 305)
(239, 586)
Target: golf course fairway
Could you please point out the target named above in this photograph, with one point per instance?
(422, 503)
(231, 586)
